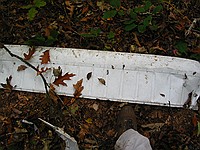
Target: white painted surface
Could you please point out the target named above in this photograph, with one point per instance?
(130, 77)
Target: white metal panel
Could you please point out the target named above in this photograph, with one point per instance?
(129, 77)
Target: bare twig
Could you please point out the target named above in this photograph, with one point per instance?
(191, 26)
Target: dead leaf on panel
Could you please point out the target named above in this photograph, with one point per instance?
(89, 75)
(21, 68)
(28, 56)
(102, 81)
(57, 72)
(60, 79)
(78, 88)
(45, 57)
(8, 87)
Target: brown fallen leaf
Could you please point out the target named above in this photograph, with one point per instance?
(89, 75)
(194, 120)
(28, 56)
(57, 72)
(52, 94)
(70, 7)
(68, 101)
(78, 88)
(8, 87)
(102, 81)
(45, 57)
(196, 50)
(59, 80)
(84, 130)
(136, 40)
(21, 68)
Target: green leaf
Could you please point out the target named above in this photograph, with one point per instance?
(157, 9)
(87, 35)
(27, 7)
(147, 5)
(39, 3)
(54, 34)
(141, 28)
(139, 10)
(129, 21)
(195, 56)
(109, 14)
(182, 47)
(120, 12)
(50, 40)
(95, 32)
(133, 15)
(130, 27)
(32, 13)
(111, 35)
(36, 41)
(115, 3)
(147, 20)
(154, 27)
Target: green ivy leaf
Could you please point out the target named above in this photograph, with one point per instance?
(133, 15)
(36, 41)
(129, 21)
(147, 5)
(50, 40)
(121, 12)
(141, 28)
(181, 46)
(157, 9)
(54, 34)
(147, 20)
(111, 35)
(32, 13)
(87, 35)
(39, 3)
(109, 14)
(130, 27)
(139, 10)
(154, 27)
(27, 7)
(115, 3)
(95, 32)
(195, 56)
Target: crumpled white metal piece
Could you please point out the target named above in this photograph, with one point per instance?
(70, 142)
(129, 77)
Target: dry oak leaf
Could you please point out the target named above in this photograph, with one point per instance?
(45, 57)
(102, 81)
(78, 88)
(8, 87)
(70, 7)
(42, 70)
(28, 56)
(60, 79)
(21, 68)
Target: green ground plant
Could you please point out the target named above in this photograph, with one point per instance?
(33, 8)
